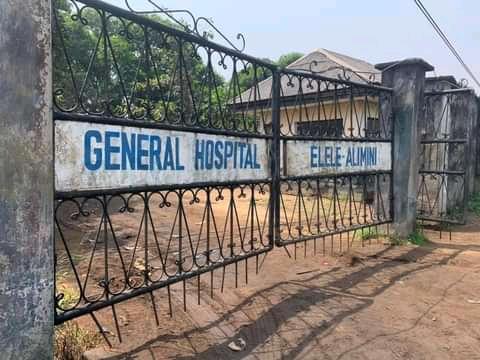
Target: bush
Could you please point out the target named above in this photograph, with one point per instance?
(417, 237)
(474, 204)
(71, 341)
(368, 233)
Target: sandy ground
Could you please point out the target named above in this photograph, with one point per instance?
(376, 302)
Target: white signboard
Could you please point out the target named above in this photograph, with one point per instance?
(94, 156)
(330, 157)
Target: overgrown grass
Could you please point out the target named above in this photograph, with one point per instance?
(70, 297)
(455, 213)
(368, 233)
(417, 237)
(71, 341)
(474, 204)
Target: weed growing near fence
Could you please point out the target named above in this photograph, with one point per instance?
(369, 233)
(69, 297)
(417, 237)
(71, 341)
(474, 204)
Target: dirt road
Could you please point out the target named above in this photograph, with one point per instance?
(400, 302)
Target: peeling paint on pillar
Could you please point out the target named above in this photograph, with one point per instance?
(407, 78)
(26, 181)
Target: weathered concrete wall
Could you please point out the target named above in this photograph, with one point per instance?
(463, 116)
(26, 181)
(451, 114)
(407, 78)
(477, 148)
(439, 83)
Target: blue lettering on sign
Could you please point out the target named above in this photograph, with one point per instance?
(91, 164)
(116, 150)
(332, 157)
(111, 149)
(128, 153)
(142, 152)
(221, 154)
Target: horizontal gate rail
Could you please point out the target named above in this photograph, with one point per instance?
(444, 141)
(94, 119)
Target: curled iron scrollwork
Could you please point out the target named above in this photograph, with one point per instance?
(194, 26)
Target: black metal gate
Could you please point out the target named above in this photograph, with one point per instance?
(165, 79)
(444, 153)
(133, 74)
(333, 200)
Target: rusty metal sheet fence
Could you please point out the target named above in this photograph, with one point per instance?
(166, 171)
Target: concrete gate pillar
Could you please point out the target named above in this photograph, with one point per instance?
(407, 78)
(26, 181)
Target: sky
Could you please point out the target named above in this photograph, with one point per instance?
(372, 30)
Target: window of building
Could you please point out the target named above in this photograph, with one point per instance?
(372, 128)
(267, 128)
(333, 127)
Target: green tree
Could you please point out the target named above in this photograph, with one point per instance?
(287, 59)
(107, 65)
(251, 75)
(254, 74)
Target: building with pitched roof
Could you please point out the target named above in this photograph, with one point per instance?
(326, 104)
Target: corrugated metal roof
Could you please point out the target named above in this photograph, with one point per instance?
(322, 61)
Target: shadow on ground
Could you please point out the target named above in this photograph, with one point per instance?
(313, 306)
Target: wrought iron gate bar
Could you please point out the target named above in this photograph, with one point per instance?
(444, 141)
(150, 189)
(336, 139)
(152, 125)
(115, 299)
(149, 23)
(324, 235)
(313, 76)
(338, 176)
(443, 172)
(441, 220)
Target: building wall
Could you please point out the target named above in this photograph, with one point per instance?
(353, 113)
